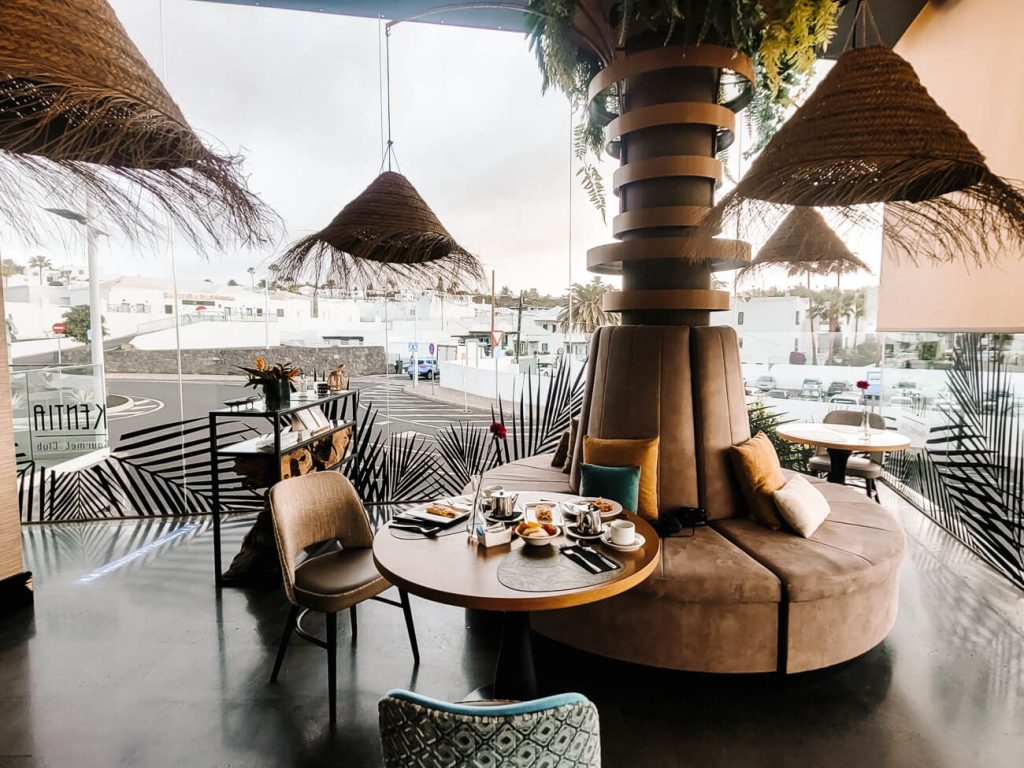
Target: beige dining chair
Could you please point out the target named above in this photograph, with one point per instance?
(319, 508)
(868, 468)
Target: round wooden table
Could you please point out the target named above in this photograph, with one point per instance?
(841, 440)
(449, 569)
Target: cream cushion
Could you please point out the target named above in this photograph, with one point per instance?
(801, 505)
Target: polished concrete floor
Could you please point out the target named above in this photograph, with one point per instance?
(131, 658)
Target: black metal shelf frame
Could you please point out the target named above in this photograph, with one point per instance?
(338, 402)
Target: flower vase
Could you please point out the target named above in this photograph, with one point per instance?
(277, 394)
(477, 484)
(866, 420)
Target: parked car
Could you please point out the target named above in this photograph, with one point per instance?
(901, 401)
(844, 399)
(428, 369)
(781, 394)
(810, 392)
(765, 383)
(838, 388)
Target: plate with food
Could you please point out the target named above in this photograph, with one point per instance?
(609, 508)
(443, 511)
(537, 534)
(544, 512)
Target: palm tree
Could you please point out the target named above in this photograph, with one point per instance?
(857, 311)
(40, 263)
(9, 267)
(66, 276)
(252, 277)
(587, 308)
(837, 305)
(815, 311)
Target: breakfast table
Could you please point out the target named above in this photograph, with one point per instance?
(842, 440)
(453, 570)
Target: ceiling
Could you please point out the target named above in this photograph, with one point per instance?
(894, 16)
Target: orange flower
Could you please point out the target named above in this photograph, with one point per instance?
(260, 363)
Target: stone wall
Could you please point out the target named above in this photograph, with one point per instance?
(359, 361)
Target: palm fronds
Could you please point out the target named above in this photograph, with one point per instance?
(970, 474)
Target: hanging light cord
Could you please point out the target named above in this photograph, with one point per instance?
(389, 150)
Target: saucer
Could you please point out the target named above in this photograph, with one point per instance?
(514, 519)
(572, 532)
(638, 542)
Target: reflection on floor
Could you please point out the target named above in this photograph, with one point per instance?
(133, 659)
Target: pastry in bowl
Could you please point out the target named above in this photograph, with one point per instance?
(537, 534)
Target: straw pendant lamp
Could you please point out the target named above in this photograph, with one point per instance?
(386, 235)
(81, 111)
(804, 243)
(870, 134)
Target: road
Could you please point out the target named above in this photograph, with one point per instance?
(156, 402)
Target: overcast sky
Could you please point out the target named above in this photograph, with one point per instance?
(299, 95)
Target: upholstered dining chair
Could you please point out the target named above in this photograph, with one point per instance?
(319, 508)
(868, 468)
(560, 731)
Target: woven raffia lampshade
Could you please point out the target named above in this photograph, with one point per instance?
(81, 112)
(386, 234)
(870, 133)
(804, 242)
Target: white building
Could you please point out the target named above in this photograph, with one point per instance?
(770, 328)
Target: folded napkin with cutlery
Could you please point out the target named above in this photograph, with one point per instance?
(588, 558)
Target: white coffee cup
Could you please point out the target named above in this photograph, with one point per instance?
(490, 490)
(622, 532)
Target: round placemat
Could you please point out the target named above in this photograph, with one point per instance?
(545, 569)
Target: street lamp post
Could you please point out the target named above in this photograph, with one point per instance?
(95, 312)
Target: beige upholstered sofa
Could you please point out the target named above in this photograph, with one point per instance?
(734, 596)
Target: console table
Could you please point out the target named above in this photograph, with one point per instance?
(341, 408)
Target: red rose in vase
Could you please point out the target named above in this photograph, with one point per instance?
(498, 430)
(862, 385)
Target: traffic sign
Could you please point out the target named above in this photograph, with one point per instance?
(430, 348)
(496, 338)
(58, 328)
(413, 346)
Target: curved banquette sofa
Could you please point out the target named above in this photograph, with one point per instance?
(734, 596)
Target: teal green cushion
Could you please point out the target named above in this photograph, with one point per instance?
(621, 484)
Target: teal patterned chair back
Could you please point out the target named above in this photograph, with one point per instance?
(556, 732)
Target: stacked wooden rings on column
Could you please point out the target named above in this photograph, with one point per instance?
(629, 225)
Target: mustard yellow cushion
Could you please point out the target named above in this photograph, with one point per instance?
(629, 453)
(759, 474)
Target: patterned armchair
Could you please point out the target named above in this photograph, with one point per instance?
(555, 732)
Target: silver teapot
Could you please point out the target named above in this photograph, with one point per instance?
(503, 504)
(588, 520)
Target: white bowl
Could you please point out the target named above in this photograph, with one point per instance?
(540, 541)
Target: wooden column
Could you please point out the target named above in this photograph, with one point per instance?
(667, 136)
(15, 582)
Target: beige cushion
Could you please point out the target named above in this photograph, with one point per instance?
(841, 558)
(561, 456)
(801, 505)
(531, 474)
(708, 568)
(759, 474)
